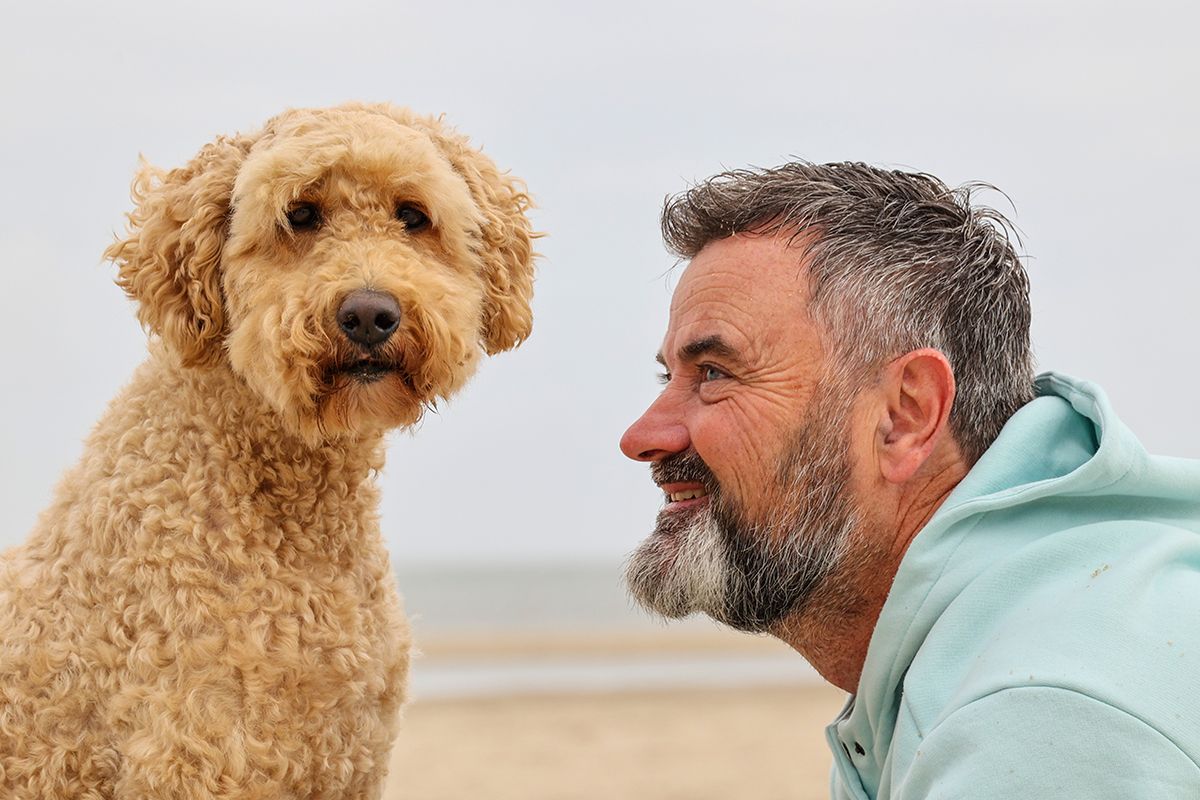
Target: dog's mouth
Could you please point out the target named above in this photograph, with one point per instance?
(367, 370)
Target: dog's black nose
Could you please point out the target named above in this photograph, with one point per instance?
(368, 318)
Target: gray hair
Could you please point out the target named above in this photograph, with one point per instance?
(896, 261)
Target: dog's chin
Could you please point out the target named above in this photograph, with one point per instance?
(366, 396)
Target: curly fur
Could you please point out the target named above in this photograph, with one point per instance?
(206, 609)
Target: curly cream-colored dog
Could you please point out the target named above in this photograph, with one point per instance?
(206, 609)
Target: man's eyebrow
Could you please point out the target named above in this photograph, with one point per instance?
(696, 348)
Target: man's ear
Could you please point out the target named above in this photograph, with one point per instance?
(918, 395)
(169, 262)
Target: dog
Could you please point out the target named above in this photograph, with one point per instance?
(206, 609)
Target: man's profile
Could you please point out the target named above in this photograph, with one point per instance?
(857, 458)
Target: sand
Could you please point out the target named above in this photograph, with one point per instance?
(666, 743)
(761, 743)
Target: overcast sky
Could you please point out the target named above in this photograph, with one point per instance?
(1084, 113)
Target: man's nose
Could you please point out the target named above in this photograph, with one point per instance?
(657, 434)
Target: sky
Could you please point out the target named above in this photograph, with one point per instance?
(1085, 114)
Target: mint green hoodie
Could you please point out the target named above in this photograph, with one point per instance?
(1042, 636)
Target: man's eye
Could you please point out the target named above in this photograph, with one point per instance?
(664, 378)
(711, 374)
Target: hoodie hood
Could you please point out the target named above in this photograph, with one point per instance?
(1062, 462)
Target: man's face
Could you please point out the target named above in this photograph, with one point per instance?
(747, 441)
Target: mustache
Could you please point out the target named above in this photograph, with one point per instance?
(685, 467)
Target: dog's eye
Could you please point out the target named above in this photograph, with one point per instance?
(304, 217)
(414, 219)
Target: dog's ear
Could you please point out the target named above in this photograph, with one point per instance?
(169, 262)
(507, 237)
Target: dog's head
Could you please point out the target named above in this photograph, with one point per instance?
(350, 264)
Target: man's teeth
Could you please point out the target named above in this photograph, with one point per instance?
(687, 494)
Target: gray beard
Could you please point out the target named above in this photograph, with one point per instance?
(752, 573)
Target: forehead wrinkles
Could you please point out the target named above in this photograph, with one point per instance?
(751, 274)
(717, 302)
(713, 287)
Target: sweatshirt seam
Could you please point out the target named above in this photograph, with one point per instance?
(1077, 693)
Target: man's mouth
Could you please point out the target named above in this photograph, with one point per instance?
(679, 495)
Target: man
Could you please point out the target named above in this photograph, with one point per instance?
(857, 458)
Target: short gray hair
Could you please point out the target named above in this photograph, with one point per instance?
(896, 261)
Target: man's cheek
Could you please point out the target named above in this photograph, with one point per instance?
(742, 467)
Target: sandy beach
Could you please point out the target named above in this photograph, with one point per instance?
(669, 743)
(693, 745)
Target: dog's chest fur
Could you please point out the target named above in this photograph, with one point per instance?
(217, 597)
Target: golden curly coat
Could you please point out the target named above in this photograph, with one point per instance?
(206, 609)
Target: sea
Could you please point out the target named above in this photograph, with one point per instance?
(567, 628)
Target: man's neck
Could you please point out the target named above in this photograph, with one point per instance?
(833, 629)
